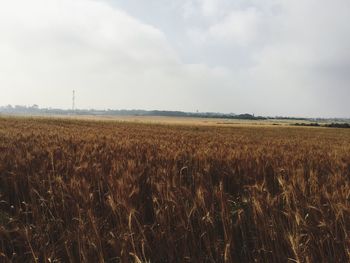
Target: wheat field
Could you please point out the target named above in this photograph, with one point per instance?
(107, 191)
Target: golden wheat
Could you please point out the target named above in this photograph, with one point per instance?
(89, 191)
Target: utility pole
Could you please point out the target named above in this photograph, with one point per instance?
(73, 101)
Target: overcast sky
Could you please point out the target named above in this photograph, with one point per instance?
(271, 57)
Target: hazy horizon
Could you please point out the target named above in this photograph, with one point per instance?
(276, 58)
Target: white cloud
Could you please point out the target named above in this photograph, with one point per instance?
(209, 7)
(306, 63)
(239, 27)
(292, 57)
(50, 47)
(271, 57)
(79, 26)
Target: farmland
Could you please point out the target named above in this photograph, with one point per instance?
(111, 191)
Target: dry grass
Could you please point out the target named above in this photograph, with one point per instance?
(87, 191)
(183, 121)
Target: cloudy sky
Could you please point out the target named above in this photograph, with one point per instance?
(271, 57)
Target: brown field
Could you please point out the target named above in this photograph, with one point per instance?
(172, 120)
(118, 191)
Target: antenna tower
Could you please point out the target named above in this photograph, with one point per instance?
(73, 101)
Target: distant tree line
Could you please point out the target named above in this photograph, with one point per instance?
(329, 125)
(36, 110)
